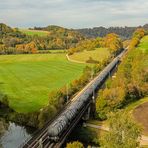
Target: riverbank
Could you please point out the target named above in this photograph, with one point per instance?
(13, 135)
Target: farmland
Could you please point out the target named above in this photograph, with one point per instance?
(34, 32)
(28, 79)
(98, 54)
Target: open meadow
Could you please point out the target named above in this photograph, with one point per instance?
(28, 79)
(98, 54)
(34, 32)
(144, 44)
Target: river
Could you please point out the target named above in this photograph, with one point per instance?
(14, 135)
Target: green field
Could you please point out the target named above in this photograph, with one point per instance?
(34, 32)
(28, 79)
(144, 44)
(98, 54)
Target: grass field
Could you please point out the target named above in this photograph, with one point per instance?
(34, 32)
(144, 44)
(98, 54)
(28, 79)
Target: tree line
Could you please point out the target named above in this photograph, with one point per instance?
(130, 83)
(123, 32)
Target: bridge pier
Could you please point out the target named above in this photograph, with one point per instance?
(91, 109)
(87, 114)
(40, 143)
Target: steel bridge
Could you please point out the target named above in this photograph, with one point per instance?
(41, 138)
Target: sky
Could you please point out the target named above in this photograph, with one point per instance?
(73, 13)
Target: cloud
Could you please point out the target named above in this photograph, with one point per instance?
(73, 13)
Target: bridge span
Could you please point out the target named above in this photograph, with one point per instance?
(55, 132)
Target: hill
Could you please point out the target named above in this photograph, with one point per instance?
(60, 37)
(5, 29)
(15, 41)
(123, 32)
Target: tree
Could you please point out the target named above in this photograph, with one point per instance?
(109, 100)
(75, 144)
(123, 133)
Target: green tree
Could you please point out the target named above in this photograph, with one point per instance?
(123, 133)
(75, 144)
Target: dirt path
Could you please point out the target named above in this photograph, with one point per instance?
(143, 141)
(74, 60)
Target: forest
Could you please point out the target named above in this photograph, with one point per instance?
(123, 32)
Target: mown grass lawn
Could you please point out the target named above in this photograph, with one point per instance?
(28, 79)
(98, 54)
(34, 32)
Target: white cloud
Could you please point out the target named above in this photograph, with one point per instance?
(73, 13)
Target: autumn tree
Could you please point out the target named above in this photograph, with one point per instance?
(75, 144)
(113, 42)
(137, 35)
(123, 132)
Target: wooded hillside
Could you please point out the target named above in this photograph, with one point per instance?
(123, 32)
(13, 41)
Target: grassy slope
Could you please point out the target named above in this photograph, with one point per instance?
(98, 54)
(144, 44)
(28, 79)
(34, 32)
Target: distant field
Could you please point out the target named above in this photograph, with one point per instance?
(34, 32)
(98, 54)
(28, 79)
(144, 44)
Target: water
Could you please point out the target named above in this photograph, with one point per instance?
(14, 136)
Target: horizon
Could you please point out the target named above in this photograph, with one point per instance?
(73, 14)
(71, 27)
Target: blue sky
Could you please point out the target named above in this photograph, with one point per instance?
(74, 13)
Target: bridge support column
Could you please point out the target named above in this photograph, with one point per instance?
(87, 114)
(40, 143)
